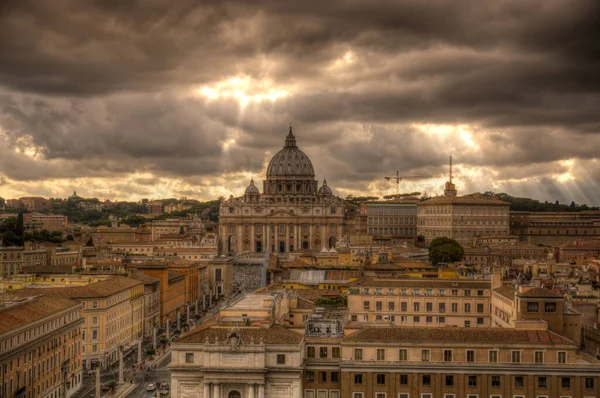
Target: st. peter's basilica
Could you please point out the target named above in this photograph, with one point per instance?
(292, 213)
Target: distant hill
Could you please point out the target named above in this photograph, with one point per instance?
(528, 204)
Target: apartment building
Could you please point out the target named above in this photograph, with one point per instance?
(502, 255)
(40, 347)
(578, 250)
(151, 300)
(554, 228)
(534, 307)
(420, 302)
(392, 221)
(13, 259)
(38, 221)
(112, 312)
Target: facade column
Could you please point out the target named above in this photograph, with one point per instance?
(188, 314)
(98, 380)
(168, 329)
(178, 319)
(238, 238)
(310, 237)
(154, 338)
(286, 234)
(251, 391)
(261, 391)
(121, 380)
(206, 390)
(276, 243)
(252, 239)
(140, 352)
(217, 390)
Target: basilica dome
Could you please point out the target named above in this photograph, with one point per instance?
(324, 190)
(252, 189)
(290, 161)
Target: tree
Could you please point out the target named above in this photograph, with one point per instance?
(19, 228)
(445, 250)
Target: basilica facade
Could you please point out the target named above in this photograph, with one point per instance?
(291, 213)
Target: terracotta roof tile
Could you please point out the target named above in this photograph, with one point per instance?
(103, 288)
(422, 283)
(506, 291)
(40, 307)
(275, 334)
(466, 335)
(539, 292)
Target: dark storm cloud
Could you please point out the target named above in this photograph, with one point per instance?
(101, 88)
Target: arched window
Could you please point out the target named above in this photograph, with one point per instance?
(235, 394)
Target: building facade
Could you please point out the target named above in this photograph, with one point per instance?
(13, 259)
(554, 228)
(392, 222)
(291, 213)
(462, 218)
(33, 222)
(40, 347)
(411, 302)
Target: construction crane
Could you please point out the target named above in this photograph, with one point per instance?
(399, 178)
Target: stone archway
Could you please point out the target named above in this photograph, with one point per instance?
(234, 394)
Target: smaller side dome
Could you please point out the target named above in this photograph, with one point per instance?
(324, 190)
(252, 189)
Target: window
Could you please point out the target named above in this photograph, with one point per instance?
(417, 319)
(189, 357)
(380, 395)
(516, 356)
(480, 321)
(380, 378)
(449, 396)
(549, 307)
(404, 395)
(470, 355)
(366, 305)
(447, 355)
(358, 353)
(404, 306)
(454, 292)
(378, 306)
(416, 307)
(391, 306)
(281, 359)
(562, 357)
(310, 375)
(402, 354)
(518, 381)
(95, 320)
(480, 292)
(335, 352)
(533, 307)
(323, 377)
(565, 382)
(425, 355)
(426, 379)
(493, 356)
(495, 381)
(454, 307)
(542, 382)
(442, 319)
(480, 308)
(358, 379)
(94, 334)
(428, 307)
(403, 380)
(380, 354)
(539, 357)
(95, 304)
(467, 292)
(357, 395)
(467, 324)
(323, 352)
(335, 376)
(467, 307)
(589, 382)
(472, 381)
(449, 381)
(310, 352)
(442, 307)
(428, 319)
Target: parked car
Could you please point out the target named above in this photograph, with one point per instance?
(164, 386)
(151, 387)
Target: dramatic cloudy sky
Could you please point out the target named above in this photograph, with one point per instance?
(131, 99)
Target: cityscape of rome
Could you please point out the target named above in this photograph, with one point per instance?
(266, 199)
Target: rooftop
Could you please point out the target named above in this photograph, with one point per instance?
(104, 288)
(466, 335)
(28, 311)
(275, 334)
(472, 199)
(539, 292)
(506, 291)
